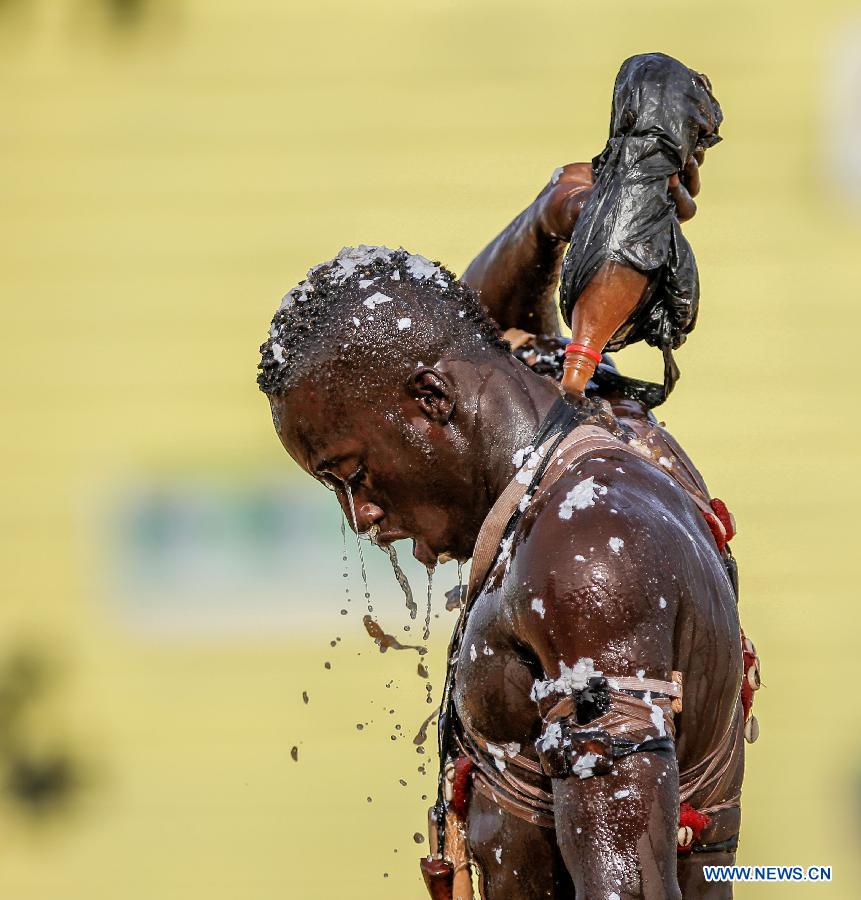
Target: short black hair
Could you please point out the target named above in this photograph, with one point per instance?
(385, 310)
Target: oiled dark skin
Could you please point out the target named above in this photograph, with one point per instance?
(606, 608)
(471, 415)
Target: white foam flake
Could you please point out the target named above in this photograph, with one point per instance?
(505, 548)
(585, 765)
(579, 557)
(620, 795)
(570, 679)
(487, 651)
(351, 258)
(620, 470)
(525, 500)
(420, 267)
(656, 715)
(499, 753)
(616, 544)
(473, 653)
(498, 854)
(519, 456)
(278, 353)
(614, 896)
(461, 314)
(526, 468)
(581, 496)
(403, 324)
(551, 738)
(556, 173)
(376, 299)
(366, 282)
(538, 606)
(356, 322)
(662, 603)
(665, 461)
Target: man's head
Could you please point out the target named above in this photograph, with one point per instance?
(370, 371)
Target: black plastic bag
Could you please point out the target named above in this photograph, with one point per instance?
(662, 113)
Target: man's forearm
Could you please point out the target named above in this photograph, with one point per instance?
(618, 832)
(517, 272)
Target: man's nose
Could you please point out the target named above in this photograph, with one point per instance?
(368, 514)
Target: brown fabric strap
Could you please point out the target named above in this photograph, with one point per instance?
(628, 717)
(515, 759)
(586, 439)
(522, 799)
(706, 777)
(527, 812)
(653, 685)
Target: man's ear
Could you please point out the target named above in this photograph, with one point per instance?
(434, 394)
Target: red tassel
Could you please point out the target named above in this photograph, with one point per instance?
(750, 675)
(717, 530)
(693, 819)
(461, 786)
(726, 517)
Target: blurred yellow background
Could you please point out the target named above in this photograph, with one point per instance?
(167, 171)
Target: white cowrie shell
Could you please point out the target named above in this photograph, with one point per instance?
(751, 729)
(753, 677)
(686, 835)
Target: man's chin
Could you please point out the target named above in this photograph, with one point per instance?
(423, 553)
(428, 557)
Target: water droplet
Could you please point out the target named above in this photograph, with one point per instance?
(419, 838)
(327, 665)
(304, 696)
(294, 754)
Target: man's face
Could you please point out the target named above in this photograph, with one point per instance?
(408, 474)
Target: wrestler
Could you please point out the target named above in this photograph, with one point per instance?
(606, 606)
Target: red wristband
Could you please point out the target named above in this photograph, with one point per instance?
(586, 351)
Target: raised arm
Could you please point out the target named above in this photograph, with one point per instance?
(608, 609)
(517, 272)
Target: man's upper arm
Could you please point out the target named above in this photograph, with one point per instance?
(596, 559)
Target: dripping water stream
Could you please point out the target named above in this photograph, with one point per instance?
(426, 631)
(359, 547)
(392, 554)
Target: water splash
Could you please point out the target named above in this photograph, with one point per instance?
(422, 733)
(359, 546)
(388, 641)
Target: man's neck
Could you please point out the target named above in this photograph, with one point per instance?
(510, 404)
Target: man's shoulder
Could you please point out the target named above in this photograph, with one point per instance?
(611, 481)
(608, 520)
